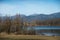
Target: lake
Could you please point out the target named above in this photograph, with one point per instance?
(46, 27)
(46, 30)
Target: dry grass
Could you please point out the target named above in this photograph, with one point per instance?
(28, 37)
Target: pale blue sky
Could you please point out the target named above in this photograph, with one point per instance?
(29, 7)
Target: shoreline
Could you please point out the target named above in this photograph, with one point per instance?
(28, 37)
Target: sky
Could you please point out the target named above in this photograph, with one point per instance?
(29, 7)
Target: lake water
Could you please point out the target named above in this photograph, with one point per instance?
(46, 28)
(51, 34)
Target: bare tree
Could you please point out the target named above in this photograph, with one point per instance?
(7, 24)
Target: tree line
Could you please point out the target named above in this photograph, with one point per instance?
(18, 26)
(15, 25)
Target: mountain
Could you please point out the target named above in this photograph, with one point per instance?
(42, 17)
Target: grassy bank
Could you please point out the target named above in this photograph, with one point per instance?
(19, 39)
(27, 37)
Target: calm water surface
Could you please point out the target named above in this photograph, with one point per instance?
(46, 28)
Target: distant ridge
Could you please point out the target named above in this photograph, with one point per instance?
(39, 17)
(42, 16)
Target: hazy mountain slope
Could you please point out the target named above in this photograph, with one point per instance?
(38, 17)
(42, 17)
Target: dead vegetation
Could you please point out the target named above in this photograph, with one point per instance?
(4, 36)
